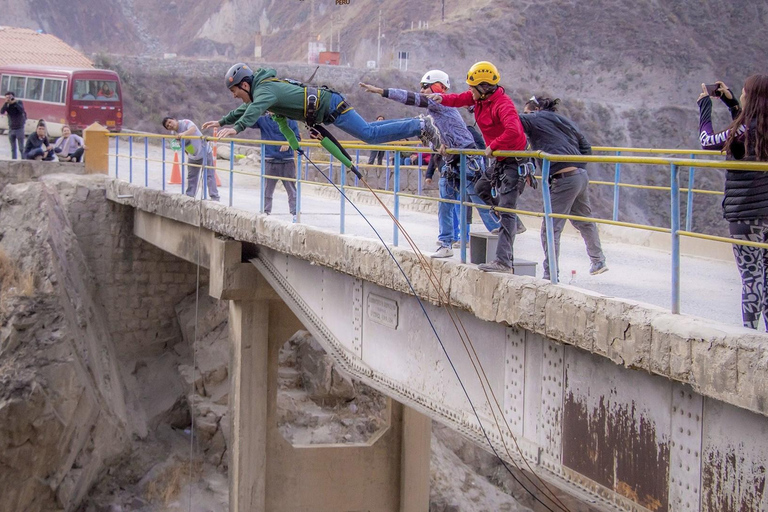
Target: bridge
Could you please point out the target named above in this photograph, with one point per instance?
(624, 404)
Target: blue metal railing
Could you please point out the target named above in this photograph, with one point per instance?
(464, 202)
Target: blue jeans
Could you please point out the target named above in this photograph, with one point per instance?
(16, 136)
(378, 132)
(448, 213)
(36, 152)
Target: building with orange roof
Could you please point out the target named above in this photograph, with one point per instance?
(26, 46)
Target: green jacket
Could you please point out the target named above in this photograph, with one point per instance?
(281, 98)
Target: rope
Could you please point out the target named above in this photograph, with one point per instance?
(553, 498)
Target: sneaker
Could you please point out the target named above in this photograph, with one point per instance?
(456, 244)
(443, 252)
(496, 266)
(520, 228)
(430, 135)
(598, 268)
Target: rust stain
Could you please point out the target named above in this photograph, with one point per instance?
(618, 448)
(730, 483)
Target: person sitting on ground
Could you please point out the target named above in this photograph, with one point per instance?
(454, 134)
(550, 132)
(38, 146)
(278, 161)
(499, 123)
(69, 147)
(199, 154)
(745, 205)
(262, 91)
(376, 156)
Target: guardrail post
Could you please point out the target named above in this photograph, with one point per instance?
(689, 204)
(548, 223)
(342, 206)
(163, 158)
(357, 163)
(396, 189)
(298, 188)
(97, 141)
(397, 164)
(184, 176)
(231, 171)
(675, 228)
(616, 188)
(463, 234)
(203, 176)
(330, 169)
(130, 159)
(146, 161)
(263, 179)
(117, 157)
(419, 181)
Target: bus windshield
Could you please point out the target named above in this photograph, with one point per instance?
(95, 90)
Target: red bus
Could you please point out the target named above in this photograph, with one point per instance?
(75, 97)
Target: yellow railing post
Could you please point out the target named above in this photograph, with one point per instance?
(97, 149)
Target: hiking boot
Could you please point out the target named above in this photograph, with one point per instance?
(496, 266)
(430, 135)
(442, 252)
(520, 228)
(598, 268)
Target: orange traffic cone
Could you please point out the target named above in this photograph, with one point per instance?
(176, 171)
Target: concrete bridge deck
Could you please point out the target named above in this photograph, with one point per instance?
(637, 407)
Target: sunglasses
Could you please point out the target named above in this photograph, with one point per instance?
(426, 86)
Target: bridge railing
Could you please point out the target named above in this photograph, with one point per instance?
(392, 186)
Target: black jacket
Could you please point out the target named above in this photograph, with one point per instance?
(746, 192)
(34, 142)
(552, 133)
(17, 116)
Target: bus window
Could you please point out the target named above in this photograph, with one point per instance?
(34, 89)
(101, 90)
(17, 86)
(4, 84)
(53, 90)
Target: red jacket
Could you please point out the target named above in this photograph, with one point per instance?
(496, 117)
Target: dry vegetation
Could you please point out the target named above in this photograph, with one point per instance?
(14, 282)
(169, 483)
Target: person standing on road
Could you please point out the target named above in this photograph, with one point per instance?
(745, 205)
(278, 161)
(499, 123)
(17, 117)
(198, 152)
(552, 133)
(454, 134)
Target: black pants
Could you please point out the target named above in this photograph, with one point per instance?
(506, 197)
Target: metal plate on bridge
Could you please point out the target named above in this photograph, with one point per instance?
(735, 459)
(383, 311)
(514, 377)
(685, 449)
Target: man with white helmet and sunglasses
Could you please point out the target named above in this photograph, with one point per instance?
(453, 134)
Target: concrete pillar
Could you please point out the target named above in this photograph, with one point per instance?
(416, 453)
(249, 335)
(97, 154)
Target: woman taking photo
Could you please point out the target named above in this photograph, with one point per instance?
(745, 205)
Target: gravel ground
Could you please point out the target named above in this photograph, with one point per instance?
(710, 288)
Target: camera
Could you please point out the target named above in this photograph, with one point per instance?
(714, 90)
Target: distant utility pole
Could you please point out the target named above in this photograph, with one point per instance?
(378, 46)
(443, 11)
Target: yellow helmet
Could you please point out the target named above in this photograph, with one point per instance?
(483, 71)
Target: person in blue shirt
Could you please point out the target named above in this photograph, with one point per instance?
(278, 161)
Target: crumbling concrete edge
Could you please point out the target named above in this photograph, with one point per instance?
(724, 362)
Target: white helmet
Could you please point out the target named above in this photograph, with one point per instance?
(434, 76)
